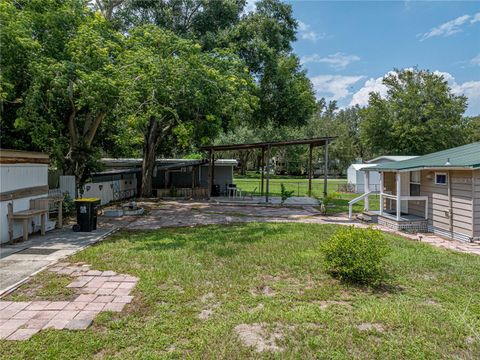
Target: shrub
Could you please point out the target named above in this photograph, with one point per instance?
(356, 255)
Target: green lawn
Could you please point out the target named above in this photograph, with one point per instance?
(299, 186)
(272, 275)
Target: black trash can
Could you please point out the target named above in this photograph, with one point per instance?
(86, 214)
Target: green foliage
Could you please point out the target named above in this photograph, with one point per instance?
(419, 115)
(356, 255)
(284, 193)
(68, 205)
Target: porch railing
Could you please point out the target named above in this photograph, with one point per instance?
(354, 201)
(404, 198)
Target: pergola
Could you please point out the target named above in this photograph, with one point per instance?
(266, 147)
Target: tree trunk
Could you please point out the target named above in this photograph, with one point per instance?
(148, 164)
(244, 155)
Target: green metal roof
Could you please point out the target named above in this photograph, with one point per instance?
(466, 156)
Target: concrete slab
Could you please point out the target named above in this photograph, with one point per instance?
(16, 266)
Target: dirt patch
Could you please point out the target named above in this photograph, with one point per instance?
(470, 340)
(431, 302)
(205, 298)
(327, 303)
(259, 337)
(371, 327)
(208, 311)
(264, 290)
(205, 314)
(257, 308)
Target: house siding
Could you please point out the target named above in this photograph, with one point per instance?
(476, 203)
(465, 188)
(438, 202)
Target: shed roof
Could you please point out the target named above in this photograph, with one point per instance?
(466, 156)
(9, 156)
(362, 166)
(390, 158)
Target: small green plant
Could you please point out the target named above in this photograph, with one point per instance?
(68, 204)
(328, 201)
(285, 193)
(356, 255)
(173, 191)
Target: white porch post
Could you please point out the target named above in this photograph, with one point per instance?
(399, 202)
(366, 175)
(381, 192)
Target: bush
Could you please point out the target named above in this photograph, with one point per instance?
(68, 205)
(356, 255)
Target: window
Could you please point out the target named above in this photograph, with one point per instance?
(415, 177)
(440, 178)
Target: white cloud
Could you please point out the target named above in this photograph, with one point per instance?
(306, 33)
(475, 18)
(337, 61)
(334, 87)
(371, 85)
(471, 89)
(449, 28)
(475, 61)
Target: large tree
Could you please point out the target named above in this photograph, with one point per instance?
(418, 115)
(65, 86)
(173, 88)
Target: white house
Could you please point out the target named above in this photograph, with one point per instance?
(356, 177)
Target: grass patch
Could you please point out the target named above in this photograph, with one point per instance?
(44, 286)
(204, 290)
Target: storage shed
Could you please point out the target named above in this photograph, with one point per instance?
(23, 177)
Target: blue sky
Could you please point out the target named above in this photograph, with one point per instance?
(348, 46)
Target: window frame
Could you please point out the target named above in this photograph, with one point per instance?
(417, 184)
(441, 174)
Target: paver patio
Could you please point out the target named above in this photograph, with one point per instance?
(21, 320)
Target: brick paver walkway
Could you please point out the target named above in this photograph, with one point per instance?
(98, 291)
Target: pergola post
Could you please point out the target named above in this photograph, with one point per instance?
(381, 191)
(268, 174)
(213, 169)
(325, 179)
(193, 179)
(263, 170)
(210, 172)
(310, 170)
(399, 201)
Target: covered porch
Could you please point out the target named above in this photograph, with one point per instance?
(401, 206)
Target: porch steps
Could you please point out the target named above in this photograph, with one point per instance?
(368, 216)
